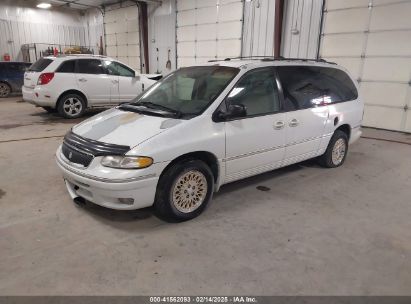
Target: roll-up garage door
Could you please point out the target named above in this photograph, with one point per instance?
(208, 29)
(123, 36)
(372, 39)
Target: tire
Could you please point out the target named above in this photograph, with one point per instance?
(336, 151)
(5, 90)
(50, 109)
(184, 191)
(71, 106)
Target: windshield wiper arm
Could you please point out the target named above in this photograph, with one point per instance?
(152, 105)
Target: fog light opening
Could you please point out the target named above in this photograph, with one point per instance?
(126, 201)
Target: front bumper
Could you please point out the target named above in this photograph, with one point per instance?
(108, 192)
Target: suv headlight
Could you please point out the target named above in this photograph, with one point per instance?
(127, 162)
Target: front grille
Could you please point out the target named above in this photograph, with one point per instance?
(76, 156)
(94, 147)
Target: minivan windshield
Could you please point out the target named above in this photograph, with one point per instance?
(40, 65)
(187, 91)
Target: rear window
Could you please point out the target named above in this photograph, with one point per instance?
(67, 67)
(40, 65)
(306, 86)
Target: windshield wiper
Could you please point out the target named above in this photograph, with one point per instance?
(152, 105)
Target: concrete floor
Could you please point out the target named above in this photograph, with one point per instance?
(344, 231)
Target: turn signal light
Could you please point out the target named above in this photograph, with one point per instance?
(45, 78)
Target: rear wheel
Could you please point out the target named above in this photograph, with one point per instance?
(184, 191)
(336, 151)
(5, 89)
(71, 106)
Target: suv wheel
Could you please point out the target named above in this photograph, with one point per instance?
(5, 89)
(184, 191)
(336, 151)
(71, 106)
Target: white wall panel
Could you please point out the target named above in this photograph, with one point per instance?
(123, 34)
(378, 54)
(383, 94)
(206, 28)
(337, 20)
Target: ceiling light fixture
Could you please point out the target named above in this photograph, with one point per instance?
(44, 5)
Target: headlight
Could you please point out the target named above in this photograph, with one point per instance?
(127, 162)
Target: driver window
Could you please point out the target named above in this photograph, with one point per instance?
(115, 68)
(257, 91)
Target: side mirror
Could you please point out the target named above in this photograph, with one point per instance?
(137, 77)
(233, 111)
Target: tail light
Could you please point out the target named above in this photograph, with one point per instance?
(45, 78)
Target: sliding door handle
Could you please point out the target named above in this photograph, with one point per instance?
(278, 125)
(293, 123)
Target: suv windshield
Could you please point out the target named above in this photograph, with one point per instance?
(40, 65)
(187, 91)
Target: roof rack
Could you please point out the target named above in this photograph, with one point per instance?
(272, 58)
(82, 55)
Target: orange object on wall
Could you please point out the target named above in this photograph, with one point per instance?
(6, 57)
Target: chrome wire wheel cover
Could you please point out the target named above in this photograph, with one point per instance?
(4, 90)
(189, 191)
(72, 106)
(338, 152)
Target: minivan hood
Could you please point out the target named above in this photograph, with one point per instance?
(123, 128)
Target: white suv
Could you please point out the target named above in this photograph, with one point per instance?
(204, 126)
(72, 83)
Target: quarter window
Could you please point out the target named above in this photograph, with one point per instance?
(90, 66)
(305, 87)
(257, 91)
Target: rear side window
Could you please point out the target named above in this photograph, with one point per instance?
(67, 67)
(16, 67)
(90, 66)
(305, 87)
(40, 65)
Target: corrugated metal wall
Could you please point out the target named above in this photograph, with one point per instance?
(162, 36)
(301, 28)
(21, 25)
(258, 29)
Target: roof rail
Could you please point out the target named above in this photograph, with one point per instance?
(272, 58)
(82, 55)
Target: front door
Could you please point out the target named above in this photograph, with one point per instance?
(129, 85)
(255, 143)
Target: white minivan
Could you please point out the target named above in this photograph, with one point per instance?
(204, 126)
(70, 84)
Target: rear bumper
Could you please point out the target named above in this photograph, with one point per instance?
(355, 134)
(39, 96)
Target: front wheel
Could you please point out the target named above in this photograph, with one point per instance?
(5, 89)
(71, 106)
(336, 151)
(184, 191)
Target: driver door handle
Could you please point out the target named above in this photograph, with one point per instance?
(114, 81)
(293, 123)
(82, 79)
(278, 125)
